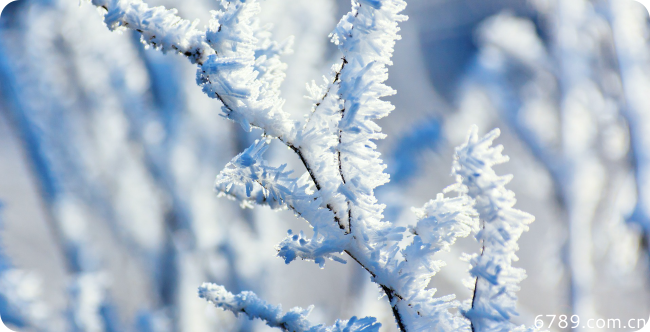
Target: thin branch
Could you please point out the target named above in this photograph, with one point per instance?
(313, 178)
(398, 317)
(476, 282)
(337, 74)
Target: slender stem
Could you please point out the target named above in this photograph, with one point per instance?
(396, 313)
(393, 297)
(338, 153)
(313, 177)
(327, 92)
(476, 282)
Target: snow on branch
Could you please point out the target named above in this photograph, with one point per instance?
(246, 72)
(229, 56)
(160, 27)
(315, 249)
(440, 222)
(295, 320)
(248, 176)
(344, 109)
(497, 280)
(249, 179)
(366, 37)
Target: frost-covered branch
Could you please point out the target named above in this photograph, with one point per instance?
(493, 303)
(344, 110)
(249, 179)
(440, 222)
(225, 53)
(240, 66)
(160, 27)
(248, 176)
(295, 320)
(239, 75)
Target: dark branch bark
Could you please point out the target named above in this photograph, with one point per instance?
(476, 282)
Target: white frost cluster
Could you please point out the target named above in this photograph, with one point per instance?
(295, 320)
(229, 76)
(497, 280)
(160, 27)
(245, 72)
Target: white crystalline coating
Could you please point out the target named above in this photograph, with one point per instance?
(342, 119)
(441, 221)
(497, 280)
(316, 249)
(246, 72)
(366, 36)
(236, 67)
(160, 27)
(249, 179)
(295, 320)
